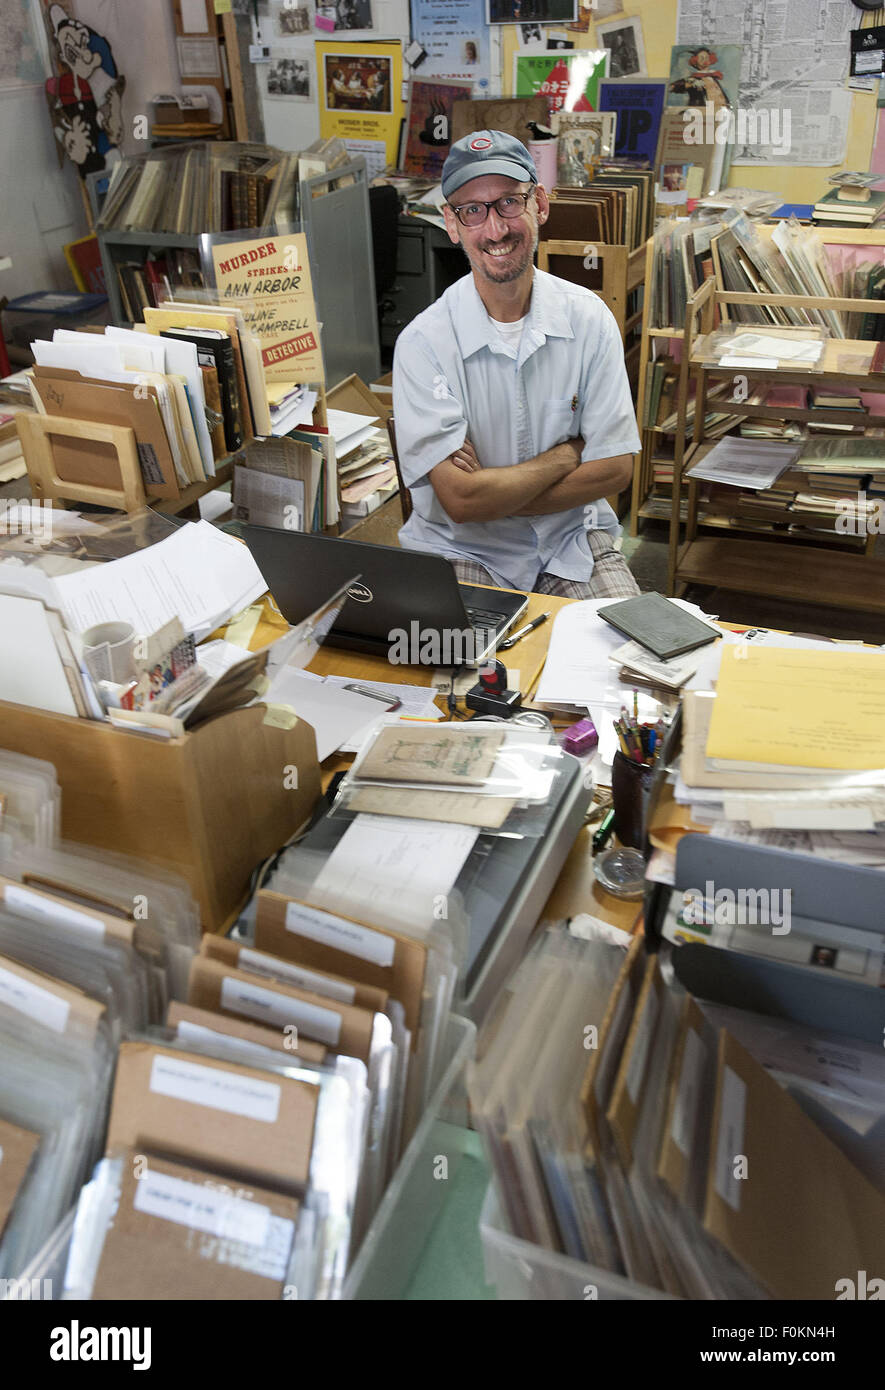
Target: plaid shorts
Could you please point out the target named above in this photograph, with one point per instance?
(611, 577)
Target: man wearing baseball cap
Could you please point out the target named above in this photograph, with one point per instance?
(513, 413)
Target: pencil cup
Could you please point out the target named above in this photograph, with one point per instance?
(108, 652)
(630, 784)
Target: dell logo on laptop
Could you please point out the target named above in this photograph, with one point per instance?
(360, 593)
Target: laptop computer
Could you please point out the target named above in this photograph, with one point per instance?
(404, 605)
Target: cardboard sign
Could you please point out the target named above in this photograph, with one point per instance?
(268, 278)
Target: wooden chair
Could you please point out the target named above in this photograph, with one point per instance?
(405, 496)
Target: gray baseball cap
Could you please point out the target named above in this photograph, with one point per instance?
(487, 152)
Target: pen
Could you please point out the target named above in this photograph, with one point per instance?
(523, 631)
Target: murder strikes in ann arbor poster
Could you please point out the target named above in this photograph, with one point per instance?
(269, 280)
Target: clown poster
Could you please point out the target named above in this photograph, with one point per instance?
(85, 98)
(569, 81)
(700, 75)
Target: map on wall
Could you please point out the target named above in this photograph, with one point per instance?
(21, 59)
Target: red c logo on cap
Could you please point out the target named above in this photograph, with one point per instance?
(480, 143)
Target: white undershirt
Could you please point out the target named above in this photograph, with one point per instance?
(510, 333)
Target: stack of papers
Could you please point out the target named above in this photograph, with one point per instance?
(793, 739)
(748, 463)
(582, 674)
(198, 574)
(350, 430)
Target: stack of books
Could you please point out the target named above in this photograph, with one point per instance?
(849, 206)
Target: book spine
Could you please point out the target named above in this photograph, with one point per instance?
(230, 399)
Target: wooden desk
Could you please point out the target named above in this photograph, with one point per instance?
(576, 889)
(528, 656)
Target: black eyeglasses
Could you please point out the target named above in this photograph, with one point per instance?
(511, 206)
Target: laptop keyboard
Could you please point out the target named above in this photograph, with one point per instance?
(482, 620)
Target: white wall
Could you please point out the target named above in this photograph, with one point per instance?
(40, 203)
(293, 125)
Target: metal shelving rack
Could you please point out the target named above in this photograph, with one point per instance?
(335, 219)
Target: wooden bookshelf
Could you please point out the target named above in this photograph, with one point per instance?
(817, 567)
(646, 494)
(619, 272)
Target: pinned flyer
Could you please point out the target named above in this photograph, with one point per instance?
(268, 278)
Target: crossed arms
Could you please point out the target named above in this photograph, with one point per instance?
(554, 481)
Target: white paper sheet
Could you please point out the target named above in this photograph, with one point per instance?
(389, 870)
(199, 575)
(31, 670)
(334, 714)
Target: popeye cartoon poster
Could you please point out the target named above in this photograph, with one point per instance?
(85, 99)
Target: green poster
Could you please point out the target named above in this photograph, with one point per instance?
(569, 80)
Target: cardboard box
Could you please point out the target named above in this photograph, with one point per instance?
(210, 805)
(233, 1120)
(180, 1234)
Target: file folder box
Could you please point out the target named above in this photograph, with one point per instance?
(519, 1271)
(841, 903)
(212, 804)
(398, 1232)
(396, 1236)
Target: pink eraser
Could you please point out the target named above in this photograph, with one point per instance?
(581, 737)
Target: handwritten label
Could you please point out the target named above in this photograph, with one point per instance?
(278, 1009)
(32, 904)
(685, 1107)
(334, 931)
(216, 1089)
(261, 964)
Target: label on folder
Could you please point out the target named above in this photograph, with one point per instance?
(341, 934)
(220, 1090)
(682, 1126)
(39, 1004)
(259, 963)
(202, 1208)
(730, 1139)
(31, 904)
(265, 1005)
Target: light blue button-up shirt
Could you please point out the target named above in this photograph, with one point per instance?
(455, 378)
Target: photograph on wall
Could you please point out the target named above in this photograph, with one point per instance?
(639, 107)
(569, 81)
(531, 36)
(529, 11)
(360, 93)
(457, 41)
(288, 78)
(699, 75)
(623, 39)
(345, 14)
(353, 83)
(429, 125)
(291, 21)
